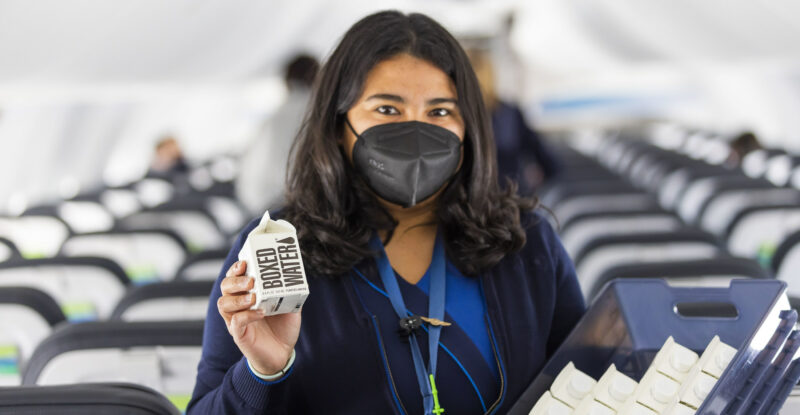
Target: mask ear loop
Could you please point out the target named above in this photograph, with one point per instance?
(347, 121)
(358, 177)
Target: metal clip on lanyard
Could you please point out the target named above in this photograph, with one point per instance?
(436, 300)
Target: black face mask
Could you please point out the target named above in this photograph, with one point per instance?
(406, 162)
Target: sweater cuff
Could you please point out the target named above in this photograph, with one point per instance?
(251, 389)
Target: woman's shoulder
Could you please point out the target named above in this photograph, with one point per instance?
(543, 251)
(539, 230)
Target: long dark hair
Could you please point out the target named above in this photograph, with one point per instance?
(334, 212)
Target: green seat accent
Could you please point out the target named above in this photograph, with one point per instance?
(79, 310)
(194, 247)
(142, 274)
(8, 350)
(33, 255)
(765, 253)
(180, 401)
(9, 360)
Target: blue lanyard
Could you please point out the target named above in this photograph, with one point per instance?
(436, 301)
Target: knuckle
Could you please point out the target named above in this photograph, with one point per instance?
(244, 300)
(236, 320)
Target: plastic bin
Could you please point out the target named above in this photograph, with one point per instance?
(630, 320)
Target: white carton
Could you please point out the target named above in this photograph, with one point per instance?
(631, 407)
(704, 373)
(716, 357)
(589, 406)
(656, 390)
(273, 260)
(674, 360)
(572, 385)
(696, 388)
(548, 405)
(678, 408)
(614, 388)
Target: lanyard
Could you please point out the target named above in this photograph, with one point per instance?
(436, 300)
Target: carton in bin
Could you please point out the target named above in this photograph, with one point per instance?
(631, 319)
(273, 259)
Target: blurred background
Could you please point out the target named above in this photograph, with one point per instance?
(87, 88)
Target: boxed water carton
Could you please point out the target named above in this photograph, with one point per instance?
(273, 259)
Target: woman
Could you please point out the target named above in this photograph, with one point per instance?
(522, 155)
(393, 191)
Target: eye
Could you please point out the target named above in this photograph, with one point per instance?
(439, 112)
(387, 110)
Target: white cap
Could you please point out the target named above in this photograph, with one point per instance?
(663, 390)
(621, 388)
(682, 361)
(580, 386)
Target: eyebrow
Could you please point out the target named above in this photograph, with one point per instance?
(399, 99)
(437, 101)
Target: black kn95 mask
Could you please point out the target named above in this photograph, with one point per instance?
(406, 162)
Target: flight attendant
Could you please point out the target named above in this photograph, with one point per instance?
(433, 289)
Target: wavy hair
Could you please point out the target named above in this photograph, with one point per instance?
(333, 210)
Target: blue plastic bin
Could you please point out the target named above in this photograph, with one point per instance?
(631, 319)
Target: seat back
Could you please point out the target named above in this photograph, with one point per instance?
(8, 250)
(204, 265)
(85, 398)
(606, 252)
(713, 272)
(174, 300)
(722, 209)
(786, 262)
(145, 255)
(228, 213)
(160, 355)
(573, 207)
(120, 202)
(85, 288)
(699, 193)
(195, 227)
(581, 232)
(27, 316)
(758, 231)
(35, 236)
(85, 216)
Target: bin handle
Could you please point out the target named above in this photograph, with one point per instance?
(706, 309)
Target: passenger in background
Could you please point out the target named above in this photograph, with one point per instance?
(742, 145)
(168, 161)
(263, 168)
(522, 155)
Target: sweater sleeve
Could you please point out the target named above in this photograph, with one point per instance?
(534, 146)
(224, 382)
(569, 303)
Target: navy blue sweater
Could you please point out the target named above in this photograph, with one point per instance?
(350, 360)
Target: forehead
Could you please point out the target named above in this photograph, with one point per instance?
(408, 76)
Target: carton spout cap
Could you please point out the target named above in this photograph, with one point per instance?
(267, 225)
(262, 224)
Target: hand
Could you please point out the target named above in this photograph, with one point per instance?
(267, 342)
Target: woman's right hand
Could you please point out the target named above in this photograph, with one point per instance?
(266, 342)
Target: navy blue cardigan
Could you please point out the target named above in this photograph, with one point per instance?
(346, 365)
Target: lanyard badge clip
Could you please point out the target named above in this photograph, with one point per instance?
(410, 325)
